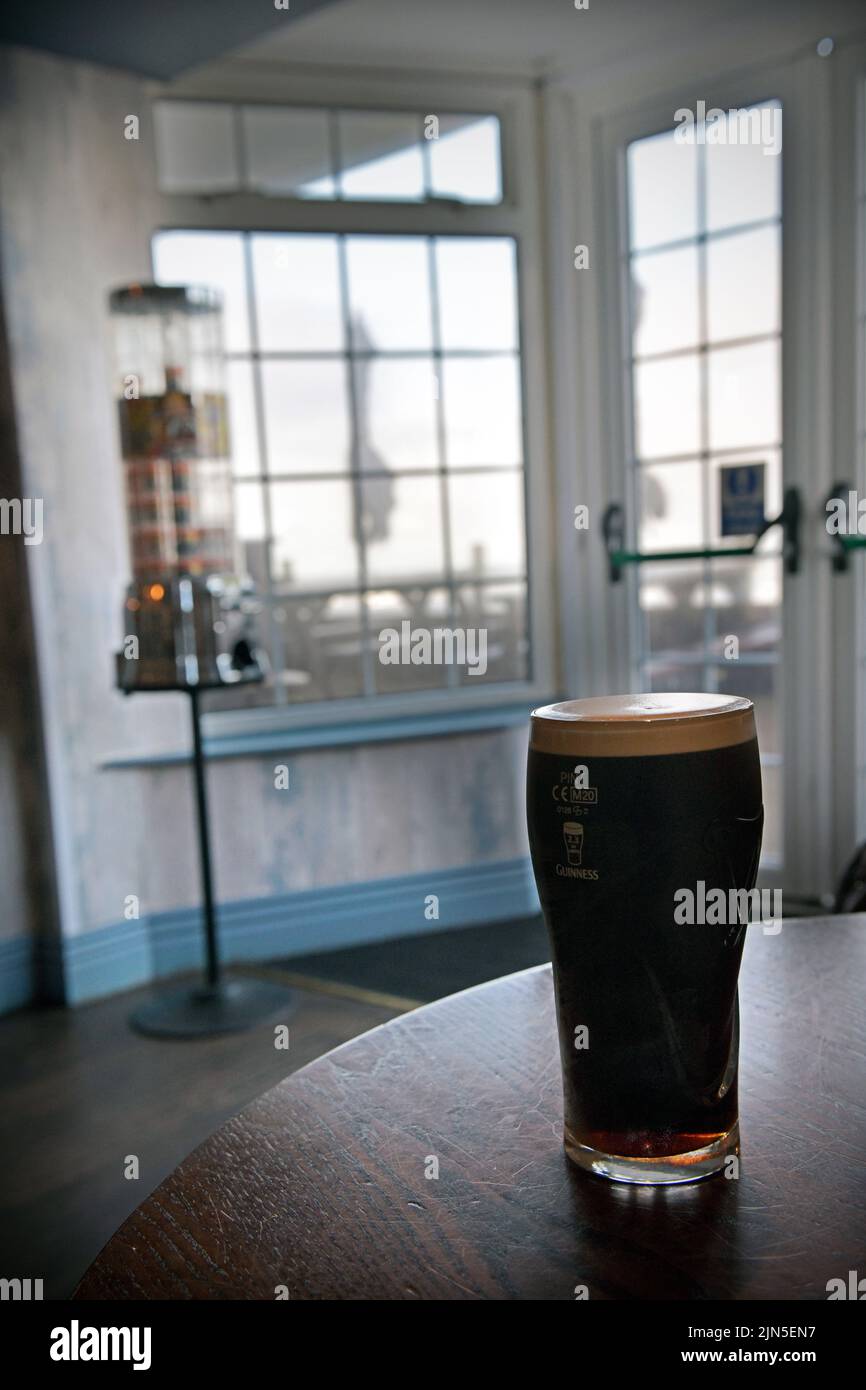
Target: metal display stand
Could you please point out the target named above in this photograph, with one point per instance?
(217, 1005)
(187, 610)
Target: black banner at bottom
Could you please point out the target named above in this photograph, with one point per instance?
(226, 1339)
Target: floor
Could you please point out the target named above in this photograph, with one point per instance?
(81, 1094)
(434, 964)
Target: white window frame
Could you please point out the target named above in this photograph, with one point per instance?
(519, 215)
(849, 429)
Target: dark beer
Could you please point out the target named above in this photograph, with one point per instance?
(639, 807)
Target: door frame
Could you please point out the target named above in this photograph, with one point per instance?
(813, 674)
(849, 434)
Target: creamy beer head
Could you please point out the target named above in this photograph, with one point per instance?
(634, 726)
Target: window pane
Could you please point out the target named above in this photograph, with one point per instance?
(664, 674)
(314, 535)
(380, 155)
(242, 418)
(743, 177)
(673, 604)
(747, 594)
(671, 506)
(195, 146)
(425, 609)
(297, 282)
(499, 611)
(481, 400)
(663, 190)
(208, 258)
(744, 405)
(744, 284)
(477, 283)
(389, 293)
(665, 301)
(402, 521)
(667, 407)
(306, 417)
(323, 638)
(288, 151)
(464, 161)
(396, 403)
(487, 526)
(249, 516)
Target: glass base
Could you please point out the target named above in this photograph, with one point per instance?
(669, 1168)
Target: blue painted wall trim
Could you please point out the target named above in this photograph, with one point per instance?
(127, 954)
(17, 973)
(105, 961)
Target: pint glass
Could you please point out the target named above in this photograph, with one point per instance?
(640, 808)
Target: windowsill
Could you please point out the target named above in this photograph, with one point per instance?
(396, 729)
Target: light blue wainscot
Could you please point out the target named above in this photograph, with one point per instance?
(126, 954)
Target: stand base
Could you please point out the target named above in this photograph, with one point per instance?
(204, 1012)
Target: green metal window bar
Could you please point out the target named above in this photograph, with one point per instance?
(789, 518)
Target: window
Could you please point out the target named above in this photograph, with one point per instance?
(284, 151)
(375, 393)
(703, 268)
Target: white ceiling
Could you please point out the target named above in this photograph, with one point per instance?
(540, 37)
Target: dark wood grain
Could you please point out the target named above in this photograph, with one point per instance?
(320, 1184)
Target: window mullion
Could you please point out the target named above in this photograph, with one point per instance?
(277, 646)
(367, 670)
(442, 447)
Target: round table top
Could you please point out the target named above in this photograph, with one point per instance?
(423, 1160)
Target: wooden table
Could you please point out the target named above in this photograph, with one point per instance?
(320, 1186)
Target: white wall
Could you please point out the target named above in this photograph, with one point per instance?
(77, 212)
